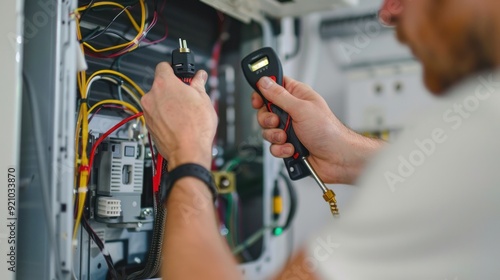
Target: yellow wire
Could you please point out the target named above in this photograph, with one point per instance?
(81, 79)
(84, 172)
(134, 41)
(77, 137)
(82, 121)
(109, 3)
(118, 102)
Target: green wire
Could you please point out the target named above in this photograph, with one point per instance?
(228, 219)
(252, 239)
(232, 164)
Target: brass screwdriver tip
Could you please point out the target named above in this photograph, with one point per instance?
(329, 196)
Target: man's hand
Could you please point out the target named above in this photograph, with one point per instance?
(180, 118)
(337, 153)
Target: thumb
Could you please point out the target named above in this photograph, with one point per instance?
(199, 80)
(278, 95)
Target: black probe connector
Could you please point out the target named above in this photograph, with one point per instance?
(183, 62)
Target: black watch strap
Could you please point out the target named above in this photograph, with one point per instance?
(187, 170)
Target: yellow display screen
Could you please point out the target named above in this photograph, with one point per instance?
(259, 64)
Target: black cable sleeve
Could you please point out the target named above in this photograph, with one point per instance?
(100, 245)
(154, 259)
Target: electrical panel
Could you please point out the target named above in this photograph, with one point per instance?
(89, 64)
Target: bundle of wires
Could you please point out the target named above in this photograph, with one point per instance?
(141, 27)
(274, 226)
(80, 200)
(120, 48)
(231, 211)
(82, 163)
(136, 12)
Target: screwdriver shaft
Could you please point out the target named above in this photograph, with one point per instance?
(315, 175)
(328, 195)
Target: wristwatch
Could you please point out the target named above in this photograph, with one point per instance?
(187, 170)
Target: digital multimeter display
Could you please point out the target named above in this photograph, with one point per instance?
(259, 64)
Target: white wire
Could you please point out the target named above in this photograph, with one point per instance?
(95, 78)
(131, 94)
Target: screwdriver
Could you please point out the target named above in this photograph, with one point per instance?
(328, 194)
(265, 62)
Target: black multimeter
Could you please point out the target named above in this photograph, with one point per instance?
(265, 62)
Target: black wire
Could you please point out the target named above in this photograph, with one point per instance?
(93, 34)
(154, 258)
(121, 36)
(100, 245)
(118, 59)
(107, 26)
(293, 200)
(291, 212)
(89, 6)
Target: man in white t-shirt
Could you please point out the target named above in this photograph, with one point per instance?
(428, 205)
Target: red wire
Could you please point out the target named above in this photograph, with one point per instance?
(157, 173)
(105, 135)
(104, 106)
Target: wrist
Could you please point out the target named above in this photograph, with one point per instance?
(175, 179)
(185, 155)
(187, 188)
(363, 150)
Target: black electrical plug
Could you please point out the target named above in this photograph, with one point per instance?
(183, 62)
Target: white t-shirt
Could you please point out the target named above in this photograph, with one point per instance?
(428, 207)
